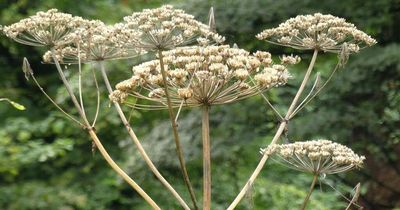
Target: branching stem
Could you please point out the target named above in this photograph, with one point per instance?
(53, 102)
(96, 140)
(80, 81)
(267, 101)
(277, 135)
(139, 146)
(301, 106)
(98, 98)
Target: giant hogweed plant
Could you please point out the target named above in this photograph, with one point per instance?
(192, 68)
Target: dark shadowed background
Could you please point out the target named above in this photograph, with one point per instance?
(47, 163)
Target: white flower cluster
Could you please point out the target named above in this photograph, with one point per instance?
(118, 96)
(164, 28)
(91, 40)
(290, 60)
(49, 28)
(316, 156)
(95, 41)
(205, 76)
(322, 32)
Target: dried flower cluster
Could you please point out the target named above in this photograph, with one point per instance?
(164, 28)
(95, 41)
(49, 28)
(152, 29)
(316, 156)
(323, 32)
(203, 76)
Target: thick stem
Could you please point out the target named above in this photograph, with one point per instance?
(120, 172)
(315, 178)
(99, 145)
(206, 159)
(176, 134)
(303, 84)
(278, 134)
(139, 146)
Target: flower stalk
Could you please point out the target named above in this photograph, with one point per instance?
(307, 198)
(278, 134)
(174, 126)
(98, 143)
(206, 158)
(139, 146)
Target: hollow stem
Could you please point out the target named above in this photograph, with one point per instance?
(277, 135)
(139, 146)
(206, 158)
(307, 198)
(96, 140)
(176, 134)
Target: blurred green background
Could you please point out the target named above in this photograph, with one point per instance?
(47, 163)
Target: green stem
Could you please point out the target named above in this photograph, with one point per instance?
(176, 134)
(206, 159)
(307, 198)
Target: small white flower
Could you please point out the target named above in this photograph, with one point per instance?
(322, 32)
(207, 75)
(316, 156)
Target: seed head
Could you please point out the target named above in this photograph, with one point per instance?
(205, 76)
(322, 32)
(118, 96)
(51, 28)
(164, 28)
(316, 156)
(94, 41)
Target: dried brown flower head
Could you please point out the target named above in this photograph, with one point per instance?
(49, 28)
(204, 76)
(323, 32)
(316, 156)
(164, 28)
(96, 42)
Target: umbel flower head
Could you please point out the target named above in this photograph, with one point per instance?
(95, 41)
(164, 28)
(49, 28)
(316, 156)
(202, 76)
(322, 32)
